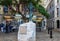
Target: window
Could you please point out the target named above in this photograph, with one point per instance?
(53, 13)
(57, 12)
(57, 1)
(44, 23)
(58, 24)
(50, 6)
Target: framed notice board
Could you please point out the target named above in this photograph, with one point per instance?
(23, 30)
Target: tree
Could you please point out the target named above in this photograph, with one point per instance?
(35, 3)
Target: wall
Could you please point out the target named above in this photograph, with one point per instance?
(1, 9)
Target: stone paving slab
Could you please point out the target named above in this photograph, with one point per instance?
(8, 37)
(44, 36)
(41, 36)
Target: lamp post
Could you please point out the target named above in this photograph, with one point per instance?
(30, 11)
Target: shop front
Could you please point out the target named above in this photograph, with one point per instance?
(38, 21)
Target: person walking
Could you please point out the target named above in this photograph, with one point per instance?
(7, 26)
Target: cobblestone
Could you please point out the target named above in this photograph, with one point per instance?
(41, 36)
(8, 37)
(44, 36)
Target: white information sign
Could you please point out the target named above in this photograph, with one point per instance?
(27, 32)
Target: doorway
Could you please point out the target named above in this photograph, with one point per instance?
(58, 24)
(38, 26)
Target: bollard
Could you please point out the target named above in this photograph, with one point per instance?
(51, 34)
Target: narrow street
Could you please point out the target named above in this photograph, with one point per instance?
(44, 36)
(8, 37)
(41, 36)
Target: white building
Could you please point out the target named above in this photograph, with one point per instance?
(45, 4)
(53, 9)
(43, 23)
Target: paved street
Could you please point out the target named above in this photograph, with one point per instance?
(8, 37)
(41, 36)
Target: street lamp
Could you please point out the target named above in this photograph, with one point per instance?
(30, 11)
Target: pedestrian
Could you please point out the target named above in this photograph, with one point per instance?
(7, 26)
(2, 27)
(48, 30)
(51, 33)
(39, 26)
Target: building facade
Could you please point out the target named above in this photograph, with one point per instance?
(25, 11)
(53, 9)
(43, 23)
(45, 3)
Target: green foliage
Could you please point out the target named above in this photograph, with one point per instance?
(6, 2)
(41, 9)
(37, 6)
